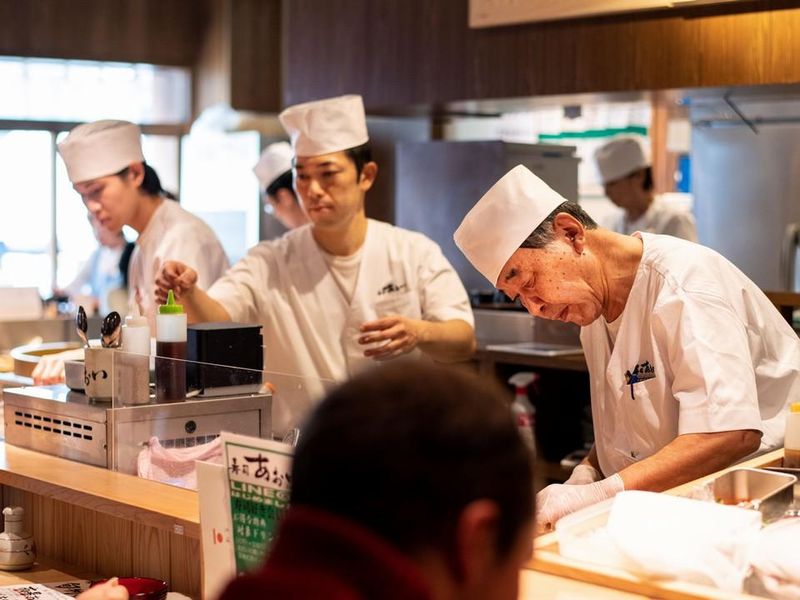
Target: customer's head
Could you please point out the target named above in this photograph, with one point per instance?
(430, 460)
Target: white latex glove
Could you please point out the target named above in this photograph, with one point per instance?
(110, 590)
(583, 473)
(557, 500)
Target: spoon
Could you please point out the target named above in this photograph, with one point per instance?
(110, 330)
(82, 324)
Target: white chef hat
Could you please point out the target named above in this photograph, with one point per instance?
(506, 215)
(101, 148)
(619, 158)
(326, 126)
(275, 160)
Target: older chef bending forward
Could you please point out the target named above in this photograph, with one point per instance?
(691, 367)
(344, 290)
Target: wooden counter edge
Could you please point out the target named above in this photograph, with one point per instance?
(158, 505)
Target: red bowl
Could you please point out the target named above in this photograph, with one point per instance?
(142, 588)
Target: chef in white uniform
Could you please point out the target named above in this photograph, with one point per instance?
(106, 166)
(274, 173)
(343, 291)
(691, 367)
(628, 181)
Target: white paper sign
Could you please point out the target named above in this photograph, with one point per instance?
(259, 476)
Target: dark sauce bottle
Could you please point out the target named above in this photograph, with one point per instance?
(170, 352)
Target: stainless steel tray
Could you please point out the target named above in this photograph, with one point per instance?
(770, 492)
(536, 349)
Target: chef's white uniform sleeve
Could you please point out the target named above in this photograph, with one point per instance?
(240, 289)
(442, 295)
(706, 347)
(197, 249)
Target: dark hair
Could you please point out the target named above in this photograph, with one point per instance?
(647, 184)
(151, 184)
(283, 181)
(544, 234)
(125, 261)
(402, 449)
(360, 155)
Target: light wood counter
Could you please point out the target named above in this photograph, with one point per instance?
(534, 585)
(154, 504)
(99, 521)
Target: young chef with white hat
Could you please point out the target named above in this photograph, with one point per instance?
(691, 367)
(274, 173)
(327, 291)
(628, 181)
(106, 166)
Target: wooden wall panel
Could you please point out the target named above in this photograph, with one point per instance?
(167, 32)
(255, 55)
(402, 52)
(93, 544)
(150, 556)
(113, 546)
(185, 561)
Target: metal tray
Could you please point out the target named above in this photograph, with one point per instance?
(770, 492)
(536, 349)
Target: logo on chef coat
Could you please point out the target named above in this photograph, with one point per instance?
(641, 372)
(391, 288)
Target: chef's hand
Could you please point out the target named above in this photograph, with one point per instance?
(558, 500)
(49, 370)
(401, 335)
(174, 276)
(110, 590)
(582, 474)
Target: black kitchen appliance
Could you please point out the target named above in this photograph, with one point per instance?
(221, 355)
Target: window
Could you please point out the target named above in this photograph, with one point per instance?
(45, 237)
(218, 186)
(88, 90)
(26, 190)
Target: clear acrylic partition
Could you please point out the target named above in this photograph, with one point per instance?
(167, 412)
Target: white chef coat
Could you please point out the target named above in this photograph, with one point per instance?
(713, 354)
(660, 217)
(310, 329)
(173, 234)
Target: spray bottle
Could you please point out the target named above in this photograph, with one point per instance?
(791, 441)
(522, 408)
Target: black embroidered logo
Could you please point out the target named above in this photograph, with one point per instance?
(641, 372)
(391, 288)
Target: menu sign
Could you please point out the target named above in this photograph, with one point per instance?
(51, 591)
(259, 478)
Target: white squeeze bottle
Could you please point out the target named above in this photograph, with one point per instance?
(136, 335)
(132, 365)
(791, 441)
(522, 408)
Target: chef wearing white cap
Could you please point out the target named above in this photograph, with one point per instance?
(628, 181)
(691, 367)
(106, 166)
(274, 173)
(344, 291)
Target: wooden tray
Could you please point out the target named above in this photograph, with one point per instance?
(547, 558)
